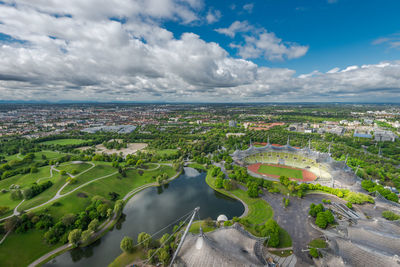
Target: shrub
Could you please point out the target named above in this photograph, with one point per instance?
(390, 215)
(321, 220)
(314, 253)
(126, 244)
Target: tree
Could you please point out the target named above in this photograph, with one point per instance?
(86, 235)
(329, 216)
(63, 172)
(219, 182)
(10, 223)
(349, 205)
(271, 230)
(164, 256)
(287, 202)
(126, 244)
(144, 239)
(151, 256)
(321, 220)
(74, 236)
(164, 238)
(68, 219)
(93, 225)
(118, 207)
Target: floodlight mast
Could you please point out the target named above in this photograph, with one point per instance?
(184, 236)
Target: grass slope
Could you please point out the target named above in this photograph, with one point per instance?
(259, 210)
(274, 170)
(64, 142)
(31, 243)
(22, 249)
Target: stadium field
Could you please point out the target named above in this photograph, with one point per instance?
(281, 171)
(275, 171)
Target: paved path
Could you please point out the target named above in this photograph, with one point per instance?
(46, 256)
(105, 225)
(58, 194)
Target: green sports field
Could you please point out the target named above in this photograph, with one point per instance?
(281, 171)
(64, 142)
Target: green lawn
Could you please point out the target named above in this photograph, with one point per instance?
(284, 239)
(64, 142)
(58, 182)
(96, 172)
(24, 181)
(31, 243)
(291, 173)
(195, 227)
(259, 210)
(126, 258)
(78, 167)
(197, 166)
(318, 243)
(22, 249)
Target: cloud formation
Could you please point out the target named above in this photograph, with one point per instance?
(258, 42)
(393, 41)
(117, 50)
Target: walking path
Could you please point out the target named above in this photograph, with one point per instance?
(105, 225)
(58, 194)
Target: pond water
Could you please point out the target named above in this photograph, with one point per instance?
(151, 210)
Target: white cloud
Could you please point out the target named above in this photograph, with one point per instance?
(213, 16)
(258, 42)
(236, 27)
(248, 7)
(72, 50)
(393, 41)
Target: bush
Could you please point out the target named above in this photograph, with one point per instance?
(314, 253)
(321, 220)
(271, 229)
(228, 223)
(390, 215)
(126, 244)
(219, 182)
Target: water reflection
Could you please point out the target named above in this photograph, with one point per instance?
(151, 210)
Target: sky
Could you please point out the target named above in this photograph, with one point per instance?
(200, 50)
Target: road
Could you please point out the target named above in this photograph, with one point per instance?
(294, 219)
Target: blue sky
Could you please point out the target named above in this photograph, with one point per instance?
(200, 50)
(339, 34)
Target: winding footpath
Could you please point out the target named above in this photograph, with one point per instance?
(104, 227)
(58, 194)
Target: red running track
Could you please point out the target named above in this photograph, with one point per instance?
(307, 175)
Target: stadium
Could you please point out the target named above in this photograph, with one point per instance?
(270, 161)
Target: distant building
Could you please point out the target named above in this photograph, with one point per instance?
(383, 135)
(232, 124)
(362, 135)
(115, 129)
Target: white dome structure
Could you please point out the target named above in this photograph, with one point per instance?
(222, 218)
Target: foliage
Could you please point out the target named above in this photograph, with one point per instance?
(74, 236)
(36, 189)
(144, 239)
(314, 253)
(127, 244)
(271, 230)
(390, 215)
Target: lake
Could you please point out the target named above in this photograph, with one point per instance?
(151, 210)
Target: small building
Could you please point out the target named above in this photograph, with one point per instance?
(222, 218)
(232, 124)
